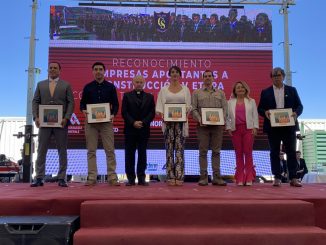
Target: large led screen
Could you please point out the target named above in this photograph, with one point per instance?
(236, 44)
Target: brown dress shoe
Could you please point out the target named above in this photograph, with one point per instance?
(203, 180)
(218, 181)
(277, 182)
(90, 183)
(295, 183)
(114, 182)
(202, 183)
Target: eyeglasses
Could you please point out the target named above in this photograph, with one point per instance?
(277, 75)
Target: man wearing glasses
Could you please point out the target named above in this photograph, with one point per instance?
(280, 96)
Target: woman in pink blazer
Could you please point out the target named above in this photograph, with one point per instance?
(242, 124)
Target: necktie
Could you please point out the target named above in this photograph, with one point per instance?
(52, 85)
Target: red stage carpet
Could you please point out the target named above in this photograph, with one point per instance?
(191, 214)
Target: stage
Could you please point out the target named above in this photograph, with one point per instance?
(261, 206)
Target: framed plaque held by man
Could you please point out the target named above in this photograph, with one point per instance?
(98, 113)
(50, 115)
(212, 116)
(281, 117)
(175, 112)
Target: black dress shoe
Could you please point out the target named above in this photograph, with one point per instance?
(130, 183)
(277, 182)
(62, 183)
(37, 183)
(143, 183)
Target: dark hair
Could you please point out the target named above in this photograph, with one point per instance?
(195, 15)
(55, 62)
(233, 10)
(208, 71)
(215, 16)
(98, 64)
(276, 70)
(263, 15)
(177, 68)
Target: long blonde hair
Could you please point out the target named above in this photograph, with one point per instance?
(246, 87)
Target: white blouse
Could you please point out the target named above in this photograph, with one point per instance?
(183, 96)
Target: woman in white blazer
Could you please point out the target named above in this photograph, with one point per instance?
(242, 124)
(174, 132)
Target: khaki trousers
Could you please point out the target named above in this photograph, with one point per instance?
(210, 136)
(105, 130)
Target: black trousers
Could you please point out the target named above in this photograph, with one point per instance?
(288, 136)
(135, 142)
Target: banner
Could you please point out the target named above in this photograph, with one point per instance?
(162, 21)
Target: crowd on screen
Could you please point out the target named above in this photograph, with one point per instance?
(181, 28)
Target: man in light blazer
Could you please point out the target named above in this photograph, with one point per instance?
(52, 91)
(138, 111)
(280, 96)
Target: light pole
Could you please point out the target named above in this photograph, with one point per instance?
(28, 136)
(288, 73)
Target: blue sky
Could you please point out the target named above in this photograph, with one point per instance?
(307, 36)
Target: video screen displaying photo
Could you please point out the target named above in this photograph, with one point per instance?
(236, 44)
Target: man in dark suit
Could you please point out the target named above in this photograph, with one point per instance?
(56, 92)
(213, 29)
(184, 29)
(197, 29)
(138, 110)
(279, 96)
(301, 166)
(231, 28)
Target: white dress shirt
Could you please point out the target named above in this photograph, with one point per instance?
(279, 96)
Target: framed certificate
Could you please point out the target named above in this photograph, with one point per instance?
(212, 116)
(97, 113)
(175, 113)
(50, 116)
(281, 117)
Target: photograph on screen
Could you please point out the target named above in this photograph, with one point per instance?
(154, 24)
